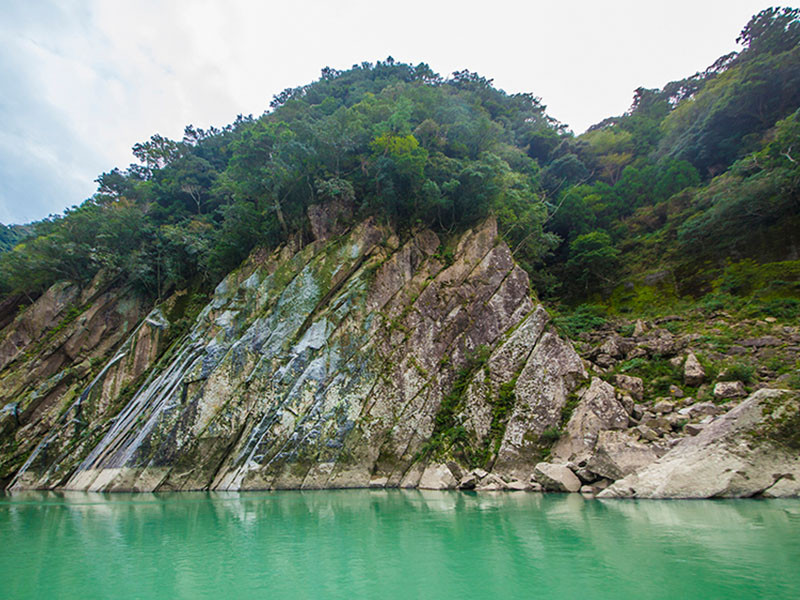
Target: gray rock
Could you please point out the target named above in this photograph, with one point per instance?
(468, 482)
(663, 407)
(677, 421)
(702, 409)
(615, 347)
(647, 433)
(675, 391)
(693, 372)
(585, 475)
(788, 486)
(597, 410)
(605, 361)
(378, 482)
(518, 486)
(693, 428)
(617, 454)
(437, 477)
(659, 424)
(639, 328)
(660, 343)
(761, 342)
(556, 478)
(491, 483)
(630, 384)
(627, 403)
(740, 454)
(729, 389)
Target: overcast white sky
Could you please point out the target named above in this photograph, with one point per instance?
(82, 81)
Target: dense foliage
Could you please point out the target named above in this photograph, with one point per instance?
(397, 140)
(695, 174)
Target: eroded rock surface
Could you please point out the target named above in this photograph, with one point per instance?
(321, 366)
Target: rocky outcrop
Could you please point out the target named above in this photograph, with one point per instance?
(751, 450)
(330, 365)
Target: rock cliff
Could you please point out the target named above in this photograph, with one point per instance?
(364, 360)
(356, 360)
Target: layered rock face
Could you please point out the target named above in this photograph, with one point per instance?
(322, 366)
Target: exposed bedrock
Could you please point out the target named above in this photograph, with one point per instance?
(330, 365)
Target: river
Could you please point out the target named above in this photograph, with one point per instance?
(394, 544)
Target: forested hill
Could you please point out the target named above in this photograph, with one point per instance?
(697, 180)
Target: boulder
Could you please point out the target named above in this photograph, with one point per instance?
(518, 486)
(693, 372)
(647, 433)
(627, 403)
(556, 478)
(639, 328)
(660, 343)
(787, 486)
(743, 453)
(630, 384)
(604, 360)
(616, 347)
(663, 407)
(468, 482)
(761, 342)
(617, 454)
(729, 389)
(702, 409)
(598, 410)
(437, 476)
(693, 428)
(491, 483)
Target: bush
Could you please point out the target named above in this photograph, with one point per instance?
(739, 371)
(584, 318)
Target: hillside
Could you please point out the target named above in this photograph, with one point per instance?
(355, 289)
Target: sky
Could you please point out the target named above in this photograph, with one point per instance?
(83, 81)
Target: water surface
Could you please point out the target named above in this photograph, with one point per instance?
(394, 544)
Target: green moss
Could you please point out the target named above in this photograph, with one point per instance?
(781, 423)
(550, 436)
(447, 431)
(569, 407)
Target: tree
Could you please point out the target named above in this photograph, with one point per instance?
(772, 30)
(592, 260)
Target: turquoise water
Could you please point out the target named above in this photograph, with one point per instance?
(394, 544)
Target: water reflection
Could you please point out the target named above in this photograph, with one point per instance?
(394, 543)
